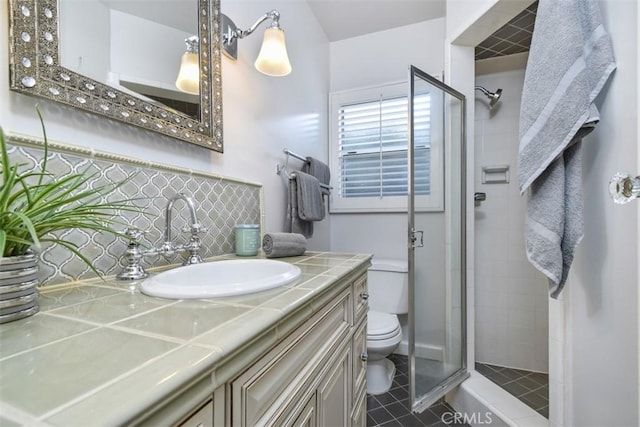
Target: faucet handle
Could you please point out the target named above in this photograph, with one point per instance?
(132, 269)
(195, 229)
(133, 234)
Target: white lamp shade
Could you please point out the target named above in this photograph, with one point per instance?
(189, 75)
(273, 59)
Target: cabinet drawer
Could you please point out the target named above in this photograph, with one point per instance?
(360, 356)
(360, 298)
(271, 382)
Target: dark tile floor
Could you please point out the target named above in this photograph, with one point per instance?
(532, 388)
(393, 408)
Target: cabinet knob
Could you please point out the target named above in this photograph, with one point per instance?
(364, 295)
(364, 356)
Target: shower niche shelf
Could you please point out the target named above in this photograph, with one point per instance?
(498, 174)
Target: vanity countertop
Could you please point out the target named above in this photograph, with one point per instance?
(102, 352)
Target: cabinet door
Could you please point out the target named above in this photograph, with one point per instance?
(307, 417)
(334, 393)
(359, 417)
(203, 417)
(359, 358)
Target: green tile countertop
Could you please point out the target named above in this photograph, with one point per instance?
(101, 353)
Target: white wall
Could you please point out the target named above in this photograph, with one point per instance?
(80, 35)
(511, 310)
(144, 49)
(262, 115)
(603, 296)
(374, 59)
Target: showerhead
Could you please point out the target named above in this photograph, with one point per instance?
(493, 96)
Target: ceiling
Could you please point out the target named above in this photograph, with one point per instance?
(513, 37)
(340, 19)
(343, 19)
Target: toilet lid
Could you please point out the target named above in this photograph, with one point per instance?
(382, 325)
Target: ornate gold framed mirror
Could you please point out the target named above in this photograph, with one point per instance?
(36, 69)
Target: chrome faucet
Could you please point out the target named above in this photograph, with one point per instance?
(168, 248)
(134, 253)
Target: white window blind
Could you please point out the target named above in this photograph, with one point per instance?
(373, 142)
(369, 131)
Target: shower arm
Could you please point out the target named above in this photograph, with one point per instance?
(483, 90)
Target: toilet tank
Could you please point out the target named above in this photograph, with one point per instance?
(388, 282)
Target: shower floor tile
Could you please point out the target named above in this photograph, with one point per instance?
(393, 408)
(532, 388)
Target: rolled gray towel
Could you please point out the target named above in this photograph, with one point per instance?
(276, 245)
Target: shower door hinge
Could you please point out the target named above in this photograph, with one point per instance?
(414, 239)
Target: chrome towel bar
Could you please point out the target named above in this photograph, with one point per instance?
(283, 168)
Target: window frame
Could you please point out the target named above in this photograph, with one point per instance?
(434, 202)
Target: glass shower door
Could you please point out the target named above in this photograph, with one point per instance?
(437, 336)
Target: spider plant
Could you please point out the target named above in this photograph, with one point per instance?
(34, 205)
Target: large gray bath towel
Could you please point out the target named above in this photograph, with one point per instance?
(570, 61)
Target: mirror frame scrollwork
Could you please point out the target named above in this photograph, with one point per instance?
(35, 70)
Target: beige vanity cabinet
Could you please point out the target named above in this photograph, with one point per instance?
(314, 376)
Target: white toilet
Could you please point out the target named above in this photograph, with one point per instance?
(388, 296)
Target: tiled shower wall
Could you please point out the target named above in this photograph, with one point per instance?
(221, 204)
(511, 309)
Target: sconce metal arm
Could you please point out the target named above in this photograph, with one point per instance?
(274, 15)
(231, 33)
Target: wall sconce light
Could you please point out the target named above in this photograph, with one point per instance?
(189, 75)
(272, 59)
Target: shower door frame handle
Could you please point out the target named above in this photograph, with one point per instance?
(413, 238)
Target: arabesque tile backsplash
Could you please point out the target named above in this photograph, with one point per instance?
(221, 204)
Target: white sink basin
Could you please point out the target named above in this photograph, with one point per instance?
(220, 279)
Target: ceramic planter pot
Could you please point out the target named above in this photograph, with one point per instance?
(18, 287)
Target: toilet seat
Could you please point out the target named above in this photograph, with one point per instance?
(382, 326)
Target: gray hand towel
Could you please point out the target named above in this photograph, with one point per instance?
(293, 223)
(277, 245)
(569, 62)
(310, 201)
(321, 171)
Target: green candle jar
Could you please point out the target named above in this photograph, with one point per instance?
(247, 239)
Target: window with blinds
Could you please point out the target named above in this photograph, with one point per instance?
(373, 145)
(368, 150)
